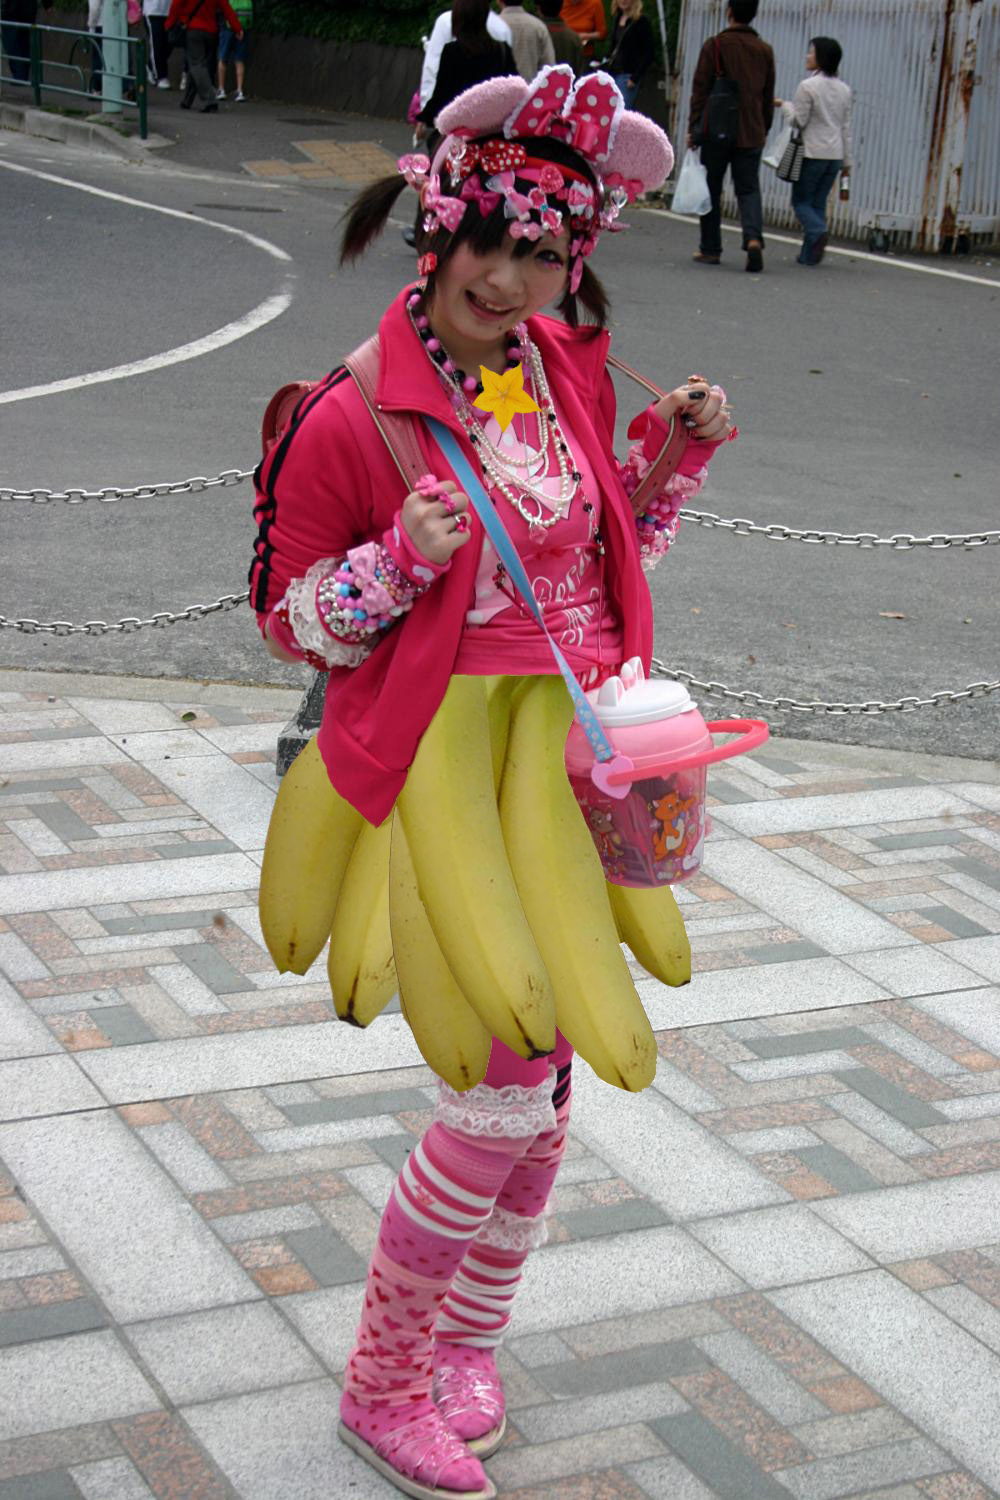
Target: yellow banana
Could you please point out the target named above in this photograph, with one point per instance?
(360, 964)
(310, 839)
(562, 888)
(499, 692)
(449, 813)
(451, 1037)
(650, 923)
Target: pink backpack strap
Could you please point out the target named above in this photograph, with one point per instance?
(395, 428)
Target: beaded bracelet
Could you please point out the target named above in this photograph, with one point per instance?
(351, 610)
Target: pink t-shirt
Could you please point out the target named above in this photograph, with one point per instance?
(563, 563)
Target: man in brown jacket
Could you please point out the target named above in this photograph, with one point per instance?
(749, 63)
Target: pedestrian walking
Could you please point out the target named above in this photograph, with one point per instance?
(394, 589)
(471, 58)
(155, 13)
(739, 55)
(201, 36)
(632, 47)
(587, 19)
(18, 15)
(566, 45)
(234, 49)
(821, 109)
(532, 45)
(442, 32)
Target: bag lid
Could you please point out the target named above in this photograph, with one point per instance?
(631, 699)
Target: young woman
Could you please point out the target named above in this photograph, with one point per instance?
(822, 110)
(524, 182)
(471, 57)
(632, 47)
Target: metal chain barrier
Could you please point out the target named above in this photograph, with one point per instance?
(128, 625)
(815, 706)
(901, 541)
(113, 492)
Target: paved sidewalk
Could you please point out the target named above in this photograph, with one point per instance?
(774, 1274)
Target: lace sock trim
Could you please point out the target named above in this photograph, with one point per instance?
(503, 1114)
(505, 1230)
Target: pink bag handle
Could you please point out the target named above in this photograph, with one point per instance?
(752, 732)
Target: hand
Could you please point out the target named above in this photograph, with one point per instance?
(437, 525)
(702, 409)
(777, 103)
(419, 131)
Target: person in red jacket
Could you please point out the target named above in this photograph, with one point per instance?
(200, 18)
(395, 592)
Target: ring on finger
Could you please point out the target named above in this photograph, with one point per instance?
(461, 523)
(448, 503)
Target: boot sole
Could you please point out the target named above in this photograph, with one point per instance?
(404, 1482)
(487, 1445)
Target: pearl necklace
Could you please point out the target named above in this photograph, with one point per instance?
(515, 488)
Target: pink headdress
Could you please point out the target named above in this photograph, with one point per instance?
(487, 133)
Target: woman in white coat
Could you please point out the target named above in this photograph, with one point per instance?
(822, 110)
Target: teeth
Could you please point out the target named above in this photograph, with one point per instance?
(490, 306)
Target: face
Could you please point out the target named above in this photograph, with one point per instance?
(479, 298)
(811, 63)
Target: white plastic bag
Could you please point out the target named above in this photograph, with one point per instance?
(691, 195)
(772, 157)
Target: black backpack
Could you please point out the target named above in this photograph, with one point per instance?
(721, 120)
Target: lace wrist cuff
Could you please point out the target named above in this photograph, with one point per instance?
(504, 1114)
(297, 612)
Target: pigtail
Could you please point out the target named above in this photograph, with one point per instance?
(594, 300)
(367, 216)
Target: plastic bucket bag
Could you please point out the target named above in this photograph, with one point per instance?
(691, 195)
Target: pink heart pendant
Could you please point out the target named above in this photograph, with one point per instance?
(602, 769)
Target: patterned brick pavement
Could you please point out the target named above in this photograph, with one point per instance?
(775, 1274)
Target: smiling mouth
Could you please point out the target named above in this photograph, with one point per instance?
(487, 309)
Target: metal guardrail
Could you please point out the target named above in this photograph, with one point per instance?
(94, 55)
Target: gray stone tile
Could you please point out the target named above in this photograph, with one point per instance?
(226, 1352)
(22, 1034)
(744, 993)
(235, 1228)
(68, 1383)
(539, 1349)
(884, 804)
(838, 1169)
(779, 763)
(94, 1183)
(665, 1155)
(64, 822)
(212, 968)
(54, 890)
(393, 1149)
(25, 1325)
(784, 953)
(981, 955)
(650, 1364)
(904, 1107)
(724, 791)
(972, 1013)
(33, 1086)
(667, 1479)
(633, 1213)
(326, 1255)
(165, 921)
(831, 1039)
(880, 1126)
(830, 1478)
(709, 1454)
(577, 1418)
(37, 1261)
(16, 787)
(917, 840)
(828, 1437)
(18, 961)
(977, 869)
(183, 849)
(110, 1479)
(188, 1163)
(920, 1219)
(759, 1375)
(953, 921)
(327, 1321)
(914, 1356)
(533, 1464)
(776, 1246)
(355, 1106)
(961, 1304)
(124, 1026)
(55, 1485)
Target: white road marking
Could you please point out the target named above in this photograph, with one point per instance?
(265, 312)
(876, 260)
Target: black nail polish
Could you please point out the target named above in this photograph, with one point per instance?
(697, 395)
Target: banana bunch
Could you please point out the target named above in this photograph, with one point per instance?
(481, 898)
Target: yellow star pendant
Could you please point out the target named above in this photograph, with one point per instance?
(504, 395)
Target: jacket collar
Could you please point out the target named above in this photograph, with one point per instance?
(406, 381)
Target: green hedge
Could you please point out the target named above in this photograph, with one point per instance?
(399, 23)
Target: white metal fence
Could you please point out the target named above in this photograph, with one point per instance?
(917, 122)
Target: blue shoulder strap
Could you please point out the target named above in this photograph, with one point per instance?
(497, 533)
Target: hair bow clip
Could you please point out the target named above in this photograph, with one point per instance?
(414, 168)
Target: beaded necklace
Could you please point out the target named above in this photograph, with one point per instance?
(516, 488)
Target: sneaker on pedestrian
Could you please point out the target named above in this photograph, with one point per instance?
(220, 93)
(239, 97)
(163, 83)
(703, 258)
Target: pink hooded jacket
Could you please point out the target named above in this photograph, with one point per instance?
(330, 484)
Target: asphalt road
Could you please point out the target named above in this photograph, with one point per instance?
(865, 394)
